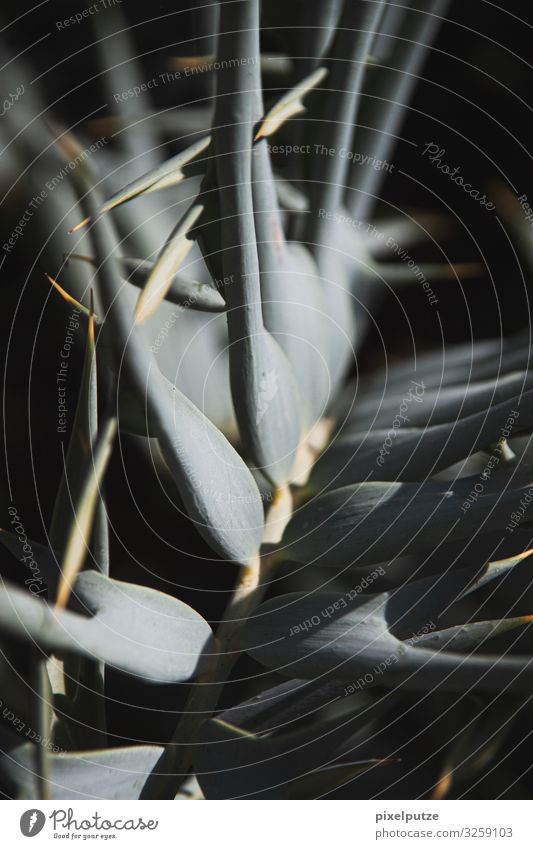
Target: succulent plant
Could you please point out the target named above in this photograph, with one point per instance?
(376, 522)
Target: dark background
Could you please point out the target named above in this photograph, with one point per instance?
(475, 102)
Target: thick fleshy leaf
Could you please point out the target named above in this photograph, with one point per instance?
(294, 308)
(472, 635)
(461, 365)
(411, 454)
(265, 394)
(434, 406)
(373, 522)
(310, 637)
(216, 486)
(289, 197)
(263, 387)
(415, 609)
(135, 414)
(272, 709)
(135, 629)
(342, 259)
(432, 367)
(497, 571)
(324, 635)
(104, 774)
